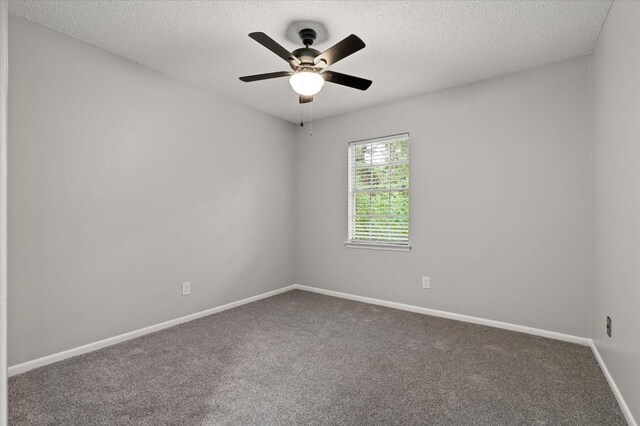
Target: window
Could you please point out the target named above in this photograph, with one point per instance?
(379, 193)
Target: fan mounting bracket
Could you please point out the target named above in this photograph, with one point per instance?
(308, 36)
(294, 30)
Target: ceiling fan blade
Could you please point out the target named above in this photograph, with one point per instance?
(340, 50)
(266, 76)
(273, 46)
(346, 80)
(305, 99)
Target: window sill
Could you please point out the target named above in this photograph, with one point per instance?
(377, 246)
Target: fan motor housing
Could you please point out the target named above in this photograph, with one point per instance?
(306, 55)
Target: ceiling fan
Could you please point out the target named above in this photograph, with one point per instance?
(309, 65)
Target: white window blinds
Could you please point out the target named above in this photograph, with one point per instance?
(379, 191)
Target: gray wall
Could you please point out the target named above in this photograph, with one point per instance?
(615, 118)
(125, 182)
(500, 201)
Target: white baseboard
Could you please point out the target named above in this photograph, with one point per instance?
(50, 359)
(614, 388)
(90, 347)
(450, 315)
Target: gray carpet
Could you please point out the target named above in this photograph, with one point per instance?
(304, 358)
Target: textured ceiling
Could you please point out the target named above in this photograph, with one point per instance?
(412, 47)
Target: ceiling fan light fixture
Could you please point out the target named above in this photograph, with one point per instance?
(309, 66)
(306, 82)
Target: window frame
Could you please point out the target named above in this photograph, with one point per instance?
(365, 244)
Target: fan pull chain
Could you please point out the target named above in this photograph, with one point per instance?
(301, 115)
(310, 117)
(311, 120)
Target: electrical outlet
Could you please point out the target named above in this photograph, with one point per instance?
(426, 282)
(186, 288)
(609, 326)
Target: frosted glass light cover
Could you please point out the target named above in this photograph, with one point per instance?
(306, 82)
